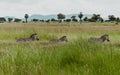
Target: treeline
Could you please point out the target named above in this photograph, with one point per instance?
(62, 18)
(2, 20)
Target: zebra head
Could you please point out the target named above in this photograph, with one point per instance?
(34, 36)
(63, 38)
(105, 37)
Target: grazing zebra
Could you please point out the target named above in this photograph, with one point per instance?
(31, 38)
(101, 39)
(62, 39)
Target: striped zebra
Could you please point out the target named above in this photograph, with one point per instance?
(101, 39)
(62, 39)
(31, 38)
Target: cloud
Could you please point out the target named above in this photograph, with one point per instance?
(19, 7)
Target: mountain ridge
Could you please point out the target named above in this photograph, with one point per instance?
(47, 17)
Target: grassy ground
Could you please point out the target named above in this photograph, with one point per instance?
(76, 57)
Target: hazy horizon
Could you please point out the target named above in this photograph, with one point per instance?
(19, 8)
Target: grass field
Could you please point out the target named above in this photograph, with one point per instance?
(76, 57)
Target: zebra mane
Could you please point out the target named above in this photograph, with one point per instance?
(33, 35)
(62, 38)
(103, 36)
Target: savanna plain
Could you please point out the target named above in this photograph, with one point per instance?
(78, 56)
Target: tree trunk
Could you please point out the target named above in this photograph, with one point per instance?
(80, 21)
(26, 20)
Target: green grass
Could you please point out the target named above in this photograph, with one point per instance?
(76, 57)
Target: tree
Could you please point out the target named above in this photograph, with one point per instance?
(74, 19)
(117, 20)
(85, 19)
(17, 20)
(26, 17)
(68, 20)
(60, 16)
(53, 20)
(112, 18)
(10, 19)
(80, 16)
(42, 20)
(2, 19)
(101, 19)
(95, 17)
(35, 20)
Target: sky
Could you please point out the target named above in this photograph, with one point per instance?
(18, 8)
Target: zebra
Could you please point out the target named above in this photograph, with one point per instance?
(31, 38)
(62, 39)
(101, 39)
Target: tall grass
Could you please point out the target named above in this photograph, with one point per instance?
(76, 57)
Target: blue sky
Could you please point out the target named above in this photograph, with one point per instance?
(18, 8)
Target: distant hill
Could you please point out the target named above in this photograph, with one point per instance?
(46, 17)
(42, 17)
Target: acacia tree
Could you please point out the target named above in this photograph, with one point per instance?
(85, 19)
(112, 18)
(10, 19)
(17, 20)
(60, 16)
(26, 17)
(73, 17)
(80, 16)
(101, 19)
(2, 19)
(95, 17)
(117, 20)
(35, 20)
